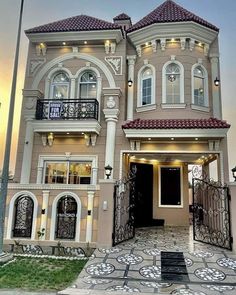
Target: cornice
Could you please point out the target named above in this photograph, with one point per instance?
(173, 30)
(65, 126)
(49, 187)
(76, 36)
(167, 133)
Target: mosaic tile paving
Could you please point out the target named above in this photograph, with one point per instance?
(137, 265)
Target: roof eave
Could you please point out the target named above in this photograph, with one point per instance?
(187, 29)
(110, 34)
(176, 133)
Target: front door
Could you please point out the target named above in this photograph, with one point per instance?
(144, 194)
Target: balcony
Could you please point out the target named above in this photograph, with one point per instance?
(67, 109)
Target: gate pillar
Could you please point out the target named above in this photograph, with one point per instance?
(105, 213)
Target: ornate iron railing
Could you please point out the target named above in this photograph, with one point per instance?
(211, 213)
(67, 109)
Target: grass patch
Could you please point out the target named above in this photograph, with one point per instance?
(40, 273)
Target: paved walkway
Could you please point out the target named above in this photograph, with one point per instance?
(146, 264)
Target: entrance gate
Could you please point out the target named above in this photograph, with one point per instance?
(124, 202)
(211, 213)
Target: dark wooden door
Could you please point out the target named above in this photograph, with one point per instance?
(143, 194)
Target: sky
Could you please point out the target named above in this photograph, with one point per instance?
(218, 12)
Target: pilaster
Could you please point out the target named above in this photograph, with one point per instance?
(89, 227)
(130, 95)
(44, 213)
(216, 97)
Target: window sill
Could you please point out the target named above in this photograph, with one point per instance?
(145, 108)
(172, 206)
(173, 105)
(200, 108)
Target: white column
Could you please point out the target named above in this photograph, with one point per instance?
(89, 228)
(99, 93)
(130, 93)
(47, 88)
(27, 154)
(216, 98)
(94, 175)
(45, 215)
(111, 117)
(72, 88)
(39, 175)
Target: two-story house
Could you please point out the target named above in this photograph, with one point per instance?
(101, 93)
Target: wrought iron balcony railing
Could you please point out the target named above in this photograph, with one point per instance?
(66, 109)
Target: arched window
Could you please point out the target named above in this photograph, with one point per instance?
(173, 83)
(60, 86)
(66, 218)
(200, 96)
(146, 86)
(88, 85)
(24, 208)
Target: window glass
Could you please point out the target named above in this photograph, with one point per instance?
(199, 89)
(172, 83)
(88, 85)
(147, 87)
(68, 172)
(60, 86)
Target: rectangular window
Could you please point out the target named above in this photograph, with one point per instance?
(147, 91)
(173, 90)
(67, 172)
(170, 181)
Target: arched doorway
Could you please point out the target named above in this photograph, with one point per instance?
(24, 208)
(66, 218)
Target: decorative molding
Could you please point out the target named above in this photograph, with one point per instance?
(35, 64)
(163, 44)
(173, 105)
(199, 61)
(115, 63)
(88, 58)
(183, 43)
(113, 47)
(191, 44)
(107, 47)
(88, 64)
(75, 49)
(154, 45)
(213, 145)
(139, 50)
(93, 139)
(206, 49)
(146, 108)
(173, 57)
(145, 62)
(111, 102)
(200, 108)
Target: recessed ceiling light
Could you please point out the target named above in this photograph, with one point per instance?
(67, 133)
(149, 138)
(173, 40)
(85, 42)
(196, 138)
(146, 43)
(63, 43)
(172, 138)
(83, 133)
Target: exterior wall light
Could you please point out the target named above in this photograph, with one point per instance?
(50, 139)
(108, 170)
(217, 82)
(234, 173)
(130, 82)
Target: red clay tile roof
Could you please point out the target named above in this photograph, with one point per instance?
(76, 23)
(167, 12)
(122, 16)
(211, 123)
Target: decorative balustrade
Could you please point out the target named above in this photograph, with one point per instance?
(67, 109)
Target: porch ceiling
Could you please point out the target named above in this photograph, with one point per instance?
(190, 158)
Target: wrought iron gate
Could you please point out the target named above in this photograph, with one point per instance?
(124, 200)
(24, 208)
(211, 213)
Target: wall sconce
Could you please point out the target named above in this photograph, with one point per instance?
(89, 212)
(108, 170)
(43, 211)
(50, 139)
(130, 82)
(234, 173)
(217, 82)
